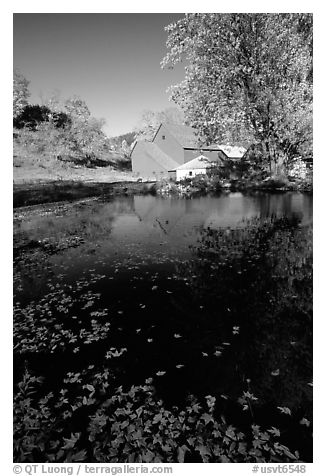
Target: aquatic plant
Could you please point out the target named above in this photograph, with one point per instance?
(100, 425)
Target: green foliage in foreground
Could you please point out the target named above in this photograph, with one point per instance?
(130, 426)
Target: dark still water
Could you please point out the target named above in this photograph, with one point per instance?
(208, 296)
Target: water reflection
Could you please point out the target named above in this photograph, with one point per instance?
(224, 211)
(220, 308)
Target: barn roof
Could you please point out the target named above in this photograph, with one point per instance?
(185, 135)
(200, 162)
(231, 151)
(152, 151)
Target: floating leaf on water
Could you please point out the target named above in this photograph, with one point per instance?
(305, 422)
(275, 373)
(310, 384)
(235, 330)
(285, 410)
(89, 388)
(179, 366)
(154, 288)
(274, 431)
(226, 343)
(138, 330)
(160, 373)
(217, 353)
(249, 396)
(205, 354)
(149, 340)
(177, 336)
(169, 292)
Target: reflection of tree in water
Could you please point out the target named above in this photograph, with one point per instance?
(256, 284)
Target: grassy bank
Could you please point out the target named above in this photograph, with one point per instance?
(43, 178)
(34, 194)
(32, 167)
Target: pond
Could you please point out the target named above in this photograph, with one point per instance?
(206, 296)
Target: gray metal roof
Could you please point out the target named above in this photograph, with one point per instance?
(152, 151)
(185, 135)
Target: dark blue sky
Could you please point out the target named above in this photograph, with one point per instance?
(110, 60)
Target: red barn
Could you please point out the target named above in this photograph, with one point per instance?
(172, 146)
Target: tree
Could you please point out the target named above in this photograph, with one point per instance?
(77, 108)
(33, 114)
(125, 149)
(85, 139)
(20, 93)
(248, 78)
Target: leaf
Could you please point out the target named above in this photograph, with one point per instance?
(305, 422)
(181, 453)
(90, 388)
(70, 442)
(285, 410)
(160, 373)
(80, 456)
(274, 431)
(230, 433)
(204, 452)
(207, 418)
(148, 456)
(124, 424)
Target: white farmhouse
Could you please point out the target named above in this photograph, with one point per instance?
(198, 166)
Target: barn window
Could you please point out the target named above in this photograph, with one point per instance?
(163, 137)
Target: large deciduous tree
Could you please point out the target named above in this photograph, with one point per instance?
(84, 135)
(248, 78)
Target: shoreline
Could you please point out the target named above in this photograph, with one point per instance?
(29, 194)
